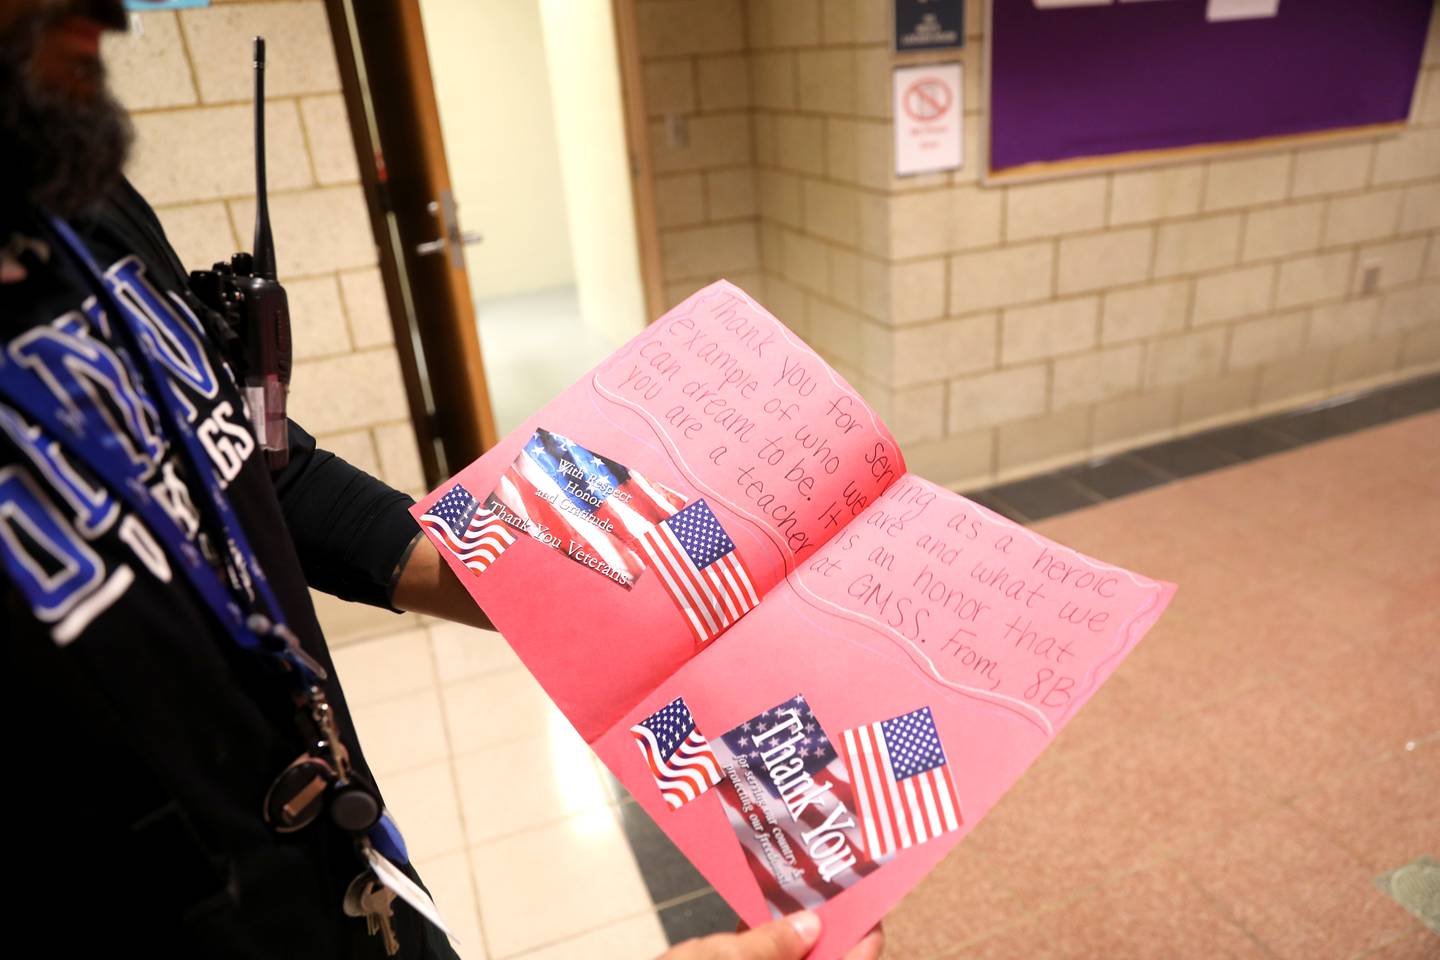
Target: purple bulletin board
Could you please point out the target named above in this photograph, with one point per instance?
(1093, 81)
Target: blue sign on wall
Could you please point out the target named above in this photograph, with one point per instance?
(144, 6)
(929, 24)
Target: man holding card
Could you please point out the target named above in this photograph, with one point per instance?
(189, 778)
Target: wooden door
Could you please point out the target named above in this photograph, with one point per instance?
(390, 98)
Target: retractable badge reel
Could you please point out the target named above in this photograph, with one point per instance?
(321, 778)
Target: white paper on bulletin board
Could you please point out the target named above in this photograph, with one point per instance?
(1222, 10)
(929, 118)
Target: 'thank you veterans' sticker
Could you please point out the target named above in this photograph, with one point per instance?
(587, 506)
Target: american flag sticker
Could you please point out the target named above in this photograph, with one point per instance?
(902, 782)
(679, 758)
(701, 570)
(789, 800)
(469, 531)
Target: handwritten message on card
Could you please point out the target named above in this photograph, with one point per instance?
(756, 573)
(985, 605)
(755, 417)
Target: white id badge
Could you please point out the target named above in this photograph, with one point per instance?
(406, 889)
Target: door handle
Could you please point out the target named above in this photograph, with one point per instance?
(452, 238)
(439, 244)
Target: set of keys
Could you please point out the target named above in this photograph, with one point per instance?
(369, 898)
(322, 779)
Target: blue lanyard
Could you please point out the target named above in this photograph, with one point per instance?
(261, 628)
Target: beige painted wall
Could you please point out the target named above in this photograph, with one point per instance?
(1006, 330)
(488, 61)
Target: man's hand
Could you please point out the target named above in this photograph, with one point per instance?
(787, 939)
(870, 946)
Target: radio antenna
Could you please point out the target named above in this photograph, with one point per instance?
(264, 242)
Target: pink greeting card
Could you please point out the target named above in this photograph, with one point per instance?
(814, 670)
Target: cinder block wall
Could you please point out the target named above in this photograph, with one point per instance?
(186, 77)
(820, 74)
(1082, 316)
(1005, 330)
(695, 62)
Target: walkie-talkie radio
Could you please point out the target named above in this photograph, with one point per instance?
(254, 305)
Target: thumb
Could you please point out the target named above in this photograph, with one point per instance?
(789, 938)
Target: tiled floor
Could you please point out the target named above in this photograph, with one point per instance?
(509, 817)
(518, 335)
(1234, 790)
(1037, 498)
(1271, 747)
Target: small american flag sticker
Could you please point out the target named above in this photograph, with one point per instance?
(679, 758)
(701, 570)
(469, 531)
(902, 782)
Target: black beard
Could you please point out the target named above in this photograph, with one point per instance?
(58, 151)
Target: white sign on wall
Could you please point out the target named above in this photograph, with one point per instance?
(929, 118)
(1220, 10)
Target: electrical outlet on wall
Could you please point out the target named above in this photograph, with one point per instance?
(1369, 277)
(677, 129)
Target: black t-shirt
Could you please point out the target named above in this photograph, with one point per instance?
(142, 738)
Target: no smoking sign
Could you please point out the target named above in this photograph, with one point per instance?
(927, 99)
(928, 118)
